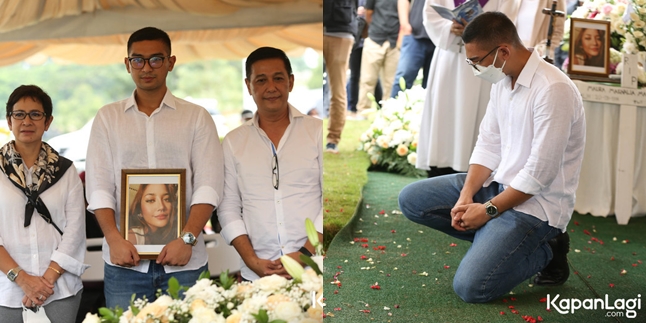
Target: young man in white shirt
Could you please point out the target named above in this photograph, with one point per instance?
(518, 196)
(273, 172)
(149, 130)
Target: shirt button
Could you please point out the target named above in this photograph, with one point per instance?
(278, 201)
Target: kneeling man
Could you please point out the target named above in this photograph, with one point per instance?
(518, 196)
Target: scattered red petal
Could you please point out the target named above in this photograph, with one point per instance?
(327, 211)
(447, 266)
(612, 258)
(635, 265)
(336, 291)
(326, 200)
(364, 239)
(547, 309)
(576, 222)
(626, 241)
(504, 300)
(393, 231)
(337, 308)
(511, 306)
(586, 232)
(543, 300)
(539, 318)
(414, 271)
(594, 239)
(639, 262)
(341, 210)
(396, 305)
(365, 311)
(363, 257)
(514, 311)
(513, 298)
(404, 255)
(502, 313)
(453, 245)
(600, 241)
(576, 272)
(338, 267)
(365, 245)
(375, 287)
(356, 239)
(589, 276)
(611, 285)
(381, 247)
(382, 212)
(571, 230)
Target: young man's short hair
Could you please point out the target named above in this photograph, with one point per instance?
(490, 29)
(149, 33)
(266, 53)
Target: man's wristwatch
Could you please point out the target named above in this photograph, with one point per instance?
(13, 273)
(304, 251)
(491, 209)
(188, 238)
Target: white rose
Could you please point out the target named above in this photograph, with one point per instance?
(270, 283)
(634, 17)
(374, 159)
(642, 77)
(287, 311)
(206, 315)
(383, 142)
(639, 24)
(629, 47)
(412, 158)
(640, 2)
(91, 318)
(638, 34)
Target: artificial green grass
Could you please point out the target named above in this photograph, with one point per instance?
(416, 286)
(344, 174)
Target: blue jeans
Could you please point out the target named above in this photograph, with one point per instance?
(120, 283)
(504, 252)
(414, 54)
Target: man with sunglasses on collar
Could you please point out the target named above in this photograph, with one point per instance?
(518, 196)
(273, 168)
(152, 129)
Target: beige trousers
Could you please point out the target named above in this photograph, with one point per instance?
(377, 62)
(336, 53)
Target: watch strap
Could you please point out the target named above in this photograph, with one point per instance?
(304, 251)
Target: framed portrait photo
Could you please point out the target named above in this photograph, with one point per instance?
(589, 47)
(152, 208)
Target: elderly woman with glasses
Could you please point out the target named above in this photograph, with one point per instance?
(42, 227)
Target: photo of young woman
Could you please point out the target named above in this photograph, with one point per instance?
(153, 214)
(589, 47)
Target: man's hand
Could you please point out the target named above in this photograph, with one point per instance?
(265, 267)
(123, 253)
(175, 253)
(470, 216)
(458, 28)
(405, 29)
(36, 289)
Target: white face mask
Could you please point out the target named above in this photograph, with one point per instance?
(490, 73)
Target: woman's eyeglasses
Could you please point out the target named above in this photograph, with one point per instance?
(33, 115)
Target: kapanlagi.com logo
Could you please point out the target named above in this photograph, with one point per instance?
(569, 305)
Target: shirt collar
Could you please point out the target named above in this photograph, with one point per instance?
(293, 113)
(527, 74)
(168, 101)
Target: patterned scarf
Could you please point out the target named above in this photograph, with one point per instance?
(49, 168)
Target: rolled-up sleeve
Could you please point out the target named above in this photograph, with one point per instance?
(206, 160)
(230, 210)
(100, 182)
(70, 253)
(553, 117)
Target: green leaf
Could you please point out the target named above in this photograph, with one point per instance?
(278, 321)
(308, 261)
(261, 317)
(106, 312)
(205, 274)
(135, 310)
(173, 288)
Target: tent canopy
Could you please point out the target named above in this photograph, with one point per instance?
(95, 31)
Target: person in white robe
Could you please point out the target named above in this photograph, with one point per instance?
(456, 100)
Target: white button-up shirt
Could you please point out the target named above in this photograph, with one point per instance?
(35, 246)
(273, 219)
(178, 134)
(533, 136)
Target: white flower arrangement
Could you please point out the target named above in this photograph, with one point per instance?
(391, 140)
(270, 299)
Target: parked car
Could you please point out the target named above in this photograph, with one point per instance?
(73, 145)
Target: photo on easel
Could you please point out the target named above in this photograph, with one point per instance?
(589, 47)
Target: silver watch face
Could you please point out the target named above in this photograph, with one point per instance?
(12, 275)
(188, 238)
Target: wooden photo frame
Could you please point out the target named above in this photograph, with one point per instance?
(152, 208)
(589, 47)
